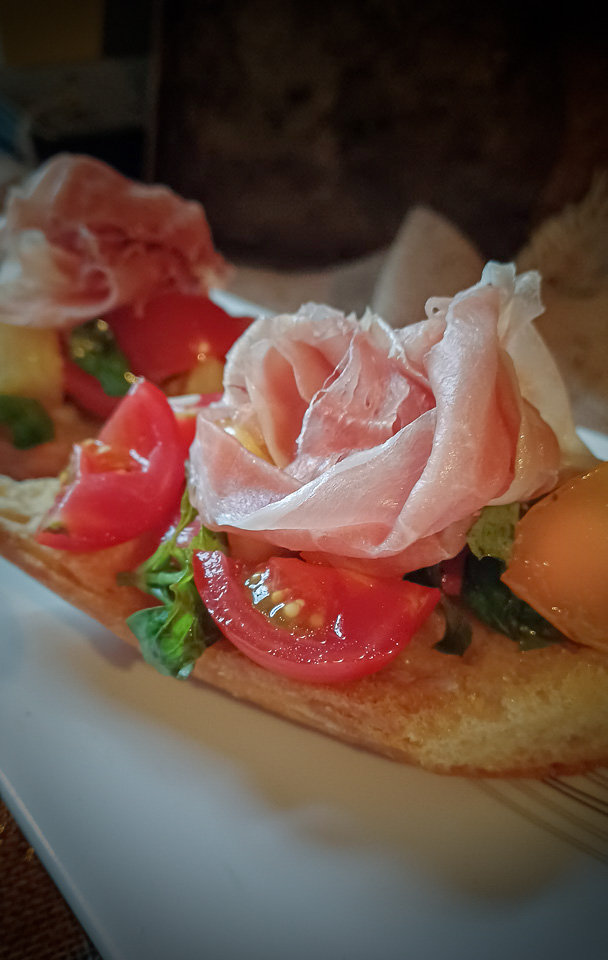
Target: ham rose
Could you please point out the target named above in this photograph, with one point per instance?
(353, 442)
(79, 239)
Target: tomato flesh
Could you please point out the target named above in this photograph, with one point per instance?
(173, 332)
(185, 410)
(86, 391)
(126, 482)
(170, 335)
(310, 622)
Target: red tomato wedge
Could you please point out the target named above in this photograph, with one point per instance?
(172, 332)
(185, 410)
(126, 482)
(310, 622)
(86, 391)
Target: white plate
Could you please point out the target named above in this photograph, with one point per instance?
(180, 824)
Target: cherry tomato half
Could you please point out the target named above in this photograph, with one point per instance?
(126, 482)
(173, 332)
(307, 621)
(86, 391)
(185, 410)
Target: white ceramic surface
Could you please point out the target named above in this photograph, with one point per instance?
(180, 824)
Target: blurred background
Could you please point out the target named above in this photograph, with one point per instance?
(309, 129)
(75, 75)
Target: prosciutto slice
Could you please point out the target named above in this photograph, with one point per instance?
(353, 442)
(79, 239)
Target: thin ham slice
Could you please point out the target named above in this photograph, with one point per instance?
(352, 442)
(79, 239)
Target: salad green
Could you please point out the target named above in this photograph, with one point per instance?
(489, 545)
(173, 634)
(27, 420)
(493, 532)
(93, 347)
(491, 600)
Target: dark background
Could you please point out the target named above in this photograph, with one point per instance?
(308, 129)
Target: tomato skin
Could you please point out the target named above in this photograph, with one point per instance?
(86, 391)
(123, 484)
(356, 626)
(171, 332)
(168, 336)
(185, 410)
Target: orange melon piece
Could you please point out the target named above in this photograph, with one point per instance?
(559, 562)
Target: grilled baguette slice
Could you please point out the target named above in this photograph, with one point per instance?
(496, 711)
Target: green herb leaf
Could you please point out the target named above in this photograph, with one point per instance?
(492, 601)
(93, 347)
(493, 532)
(172, 636)
(27, 420)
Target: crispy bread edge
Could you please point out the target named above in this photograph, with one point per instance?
(494, 712)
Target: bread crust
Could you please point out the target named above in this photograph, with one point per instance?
(496, 711)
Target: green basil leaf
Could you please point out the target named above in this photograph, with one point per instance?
(94, 348)
(27, 420)
(492, 602)
(173, 635)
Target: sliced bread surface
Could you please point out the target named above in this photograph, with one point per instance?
(496, 711)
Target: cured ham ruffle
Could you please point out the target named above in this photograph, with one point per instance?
(79, 239)
(354, 442)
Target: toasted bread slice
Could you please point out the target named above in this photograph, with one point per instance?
(496, 711)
